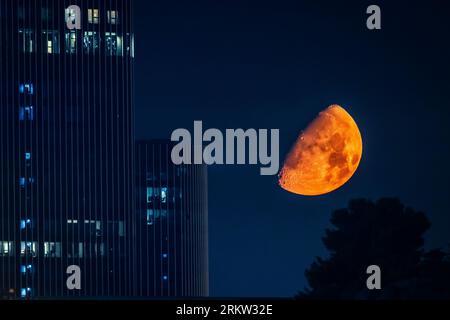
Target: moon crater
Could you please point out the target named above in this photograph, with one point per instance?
(325, 155)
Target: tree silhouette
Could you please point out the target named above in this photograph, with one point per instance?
(383, 233)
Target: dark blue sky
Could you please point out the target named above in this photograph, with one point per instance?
(277, 64)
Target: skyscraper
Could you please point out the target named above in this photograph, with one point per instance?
(66, 147)
(171, 224)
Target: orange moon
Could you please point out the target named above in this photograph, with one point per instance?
(325, 155)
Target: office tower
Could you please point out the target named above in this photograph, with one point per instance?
(171, 224)
(66, 147)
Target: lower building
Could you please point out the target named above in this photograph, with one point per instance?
(171, 224)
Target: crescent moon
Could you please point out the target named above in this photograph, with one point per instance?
(325, 155)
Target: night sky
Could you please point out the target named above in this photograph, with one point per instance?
(240, 64)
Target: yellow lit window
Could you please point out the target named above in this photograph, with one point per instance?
(93, 16)
(113, 17)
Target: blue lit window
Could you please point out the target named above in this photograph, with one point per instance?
(91, 41)
(25, 292)
(150, 216)
(164, 195)
(25, 223)
(149, 194)
(26, 113)
(165, 255)
(114, 44)
(27, 155)
(22, 182)
(26, 268)
(165, 278)
(26, 88)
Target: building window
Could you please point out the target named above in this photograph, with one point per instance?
(6, 248)
(51, 42)
(26, 113)
(150, 216)
(93, 16)
(149, 195)
(114, 44)
(26, 88)
(157, 196)
(113, 17)
(90, 41)
(52, 249)
(165, 278)
(71, 42)
(23, 182)
(164, 195)
(25, 292)
(25, 223)
(27, 159)
(121, 229)
(28, 249)
(26, 40)
(24, 269)
(75, 250)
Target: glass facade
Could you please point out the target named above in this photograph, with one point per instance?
(66, 148)
(171, 224)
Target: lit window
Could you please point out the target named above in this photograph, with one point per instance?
(90, 41)
(26, 88)
(149, 195)
(150, 216)
(71, 42)
(113, 17)
(25, 223)
(164, 255)
(164, 195)
(52, 249)
(26, 268)
(26, 113)
(25, 292)
(6, 248)
(26, 40)
(72, 221)
(27, 159)
(121, 229)
(28, 249)
(98, 228)
(114, 44)
(51, 42)
(93, 16)
(165, 278)
(22, 182)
